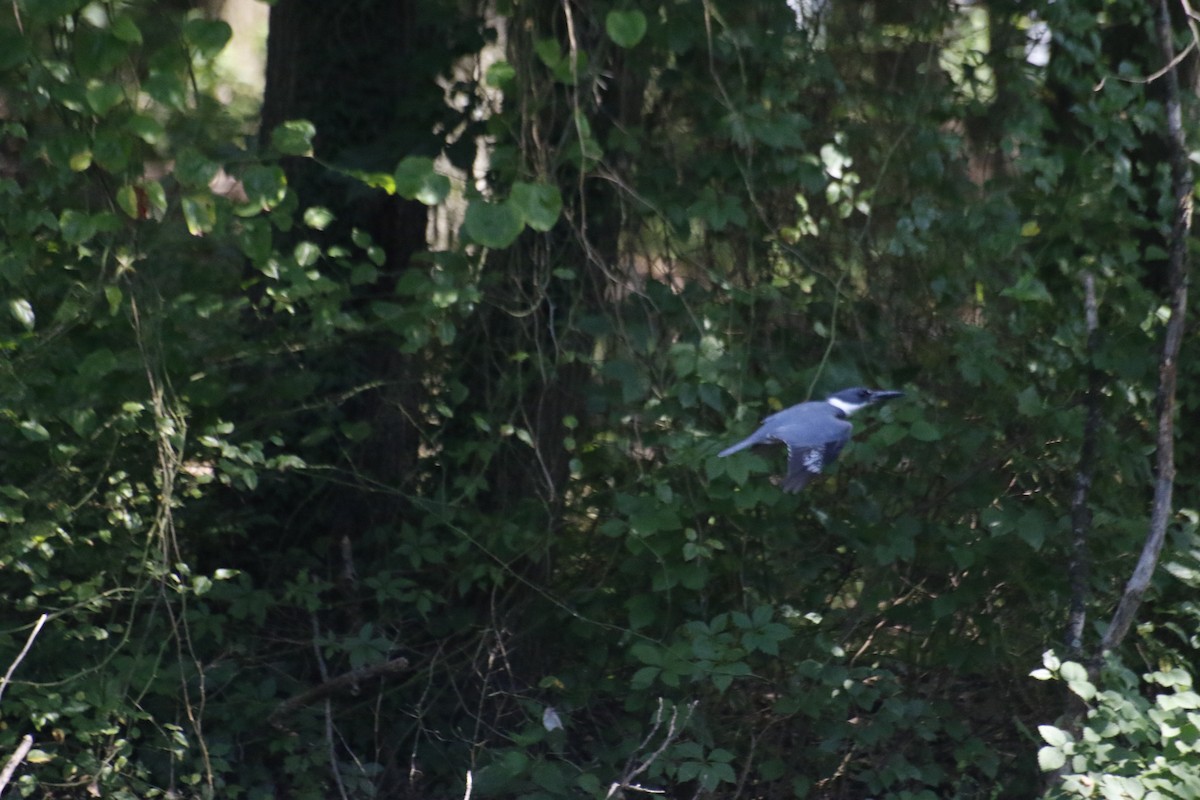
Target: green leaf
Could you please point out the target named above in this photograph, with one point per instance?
(294, 137)
(207, 36)
(318, 217)
(146, 128)
(306, 254)
(1029, 403)
(626, 28)
(539, 204)
(1051, 758)
(125, 29)
(76, 227)
(417, 179)
(499, 75)
(34, 431)
(97, 364)
(494, 225)
(200, 213)
(1055, 737)
(193, 169)
(922, 431)
(265, 186)
(103, 97)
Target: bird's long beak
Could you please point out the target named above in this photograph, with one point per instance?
(879, 395)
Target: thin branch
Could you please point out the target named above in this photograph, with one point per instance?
(37, 628)
(1177, 277)
(1079, 565)
(632, 770)
(14, 761)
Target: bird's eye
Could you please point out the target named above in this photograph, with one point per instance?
(864, 394)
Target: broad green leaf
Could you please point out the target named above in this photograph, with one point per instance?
(306, 254)
(193, 169)
(146, 128)
(76, 227)
(1050, 759)
(80, 161)
(1055, 737)
(549, 51)
(626, 28)
(207, 36)
(34, 431)
(539, 204)
(200, 213)
(495, 225)
(97, 364)
(417, 179)
(168, 89)
(103, 96)
(265, 186)
(111, 149)
(500, 74)
(924, 432)
(1029, 403)
(294, 137)
(318, 217)
(125, 29)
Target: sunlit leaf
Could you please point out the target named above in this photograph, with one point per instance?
(22, 311)
(417, 179)
(200, 213)
(294, 137)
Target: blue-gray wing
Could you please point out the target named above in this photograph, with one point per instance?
(813, 442)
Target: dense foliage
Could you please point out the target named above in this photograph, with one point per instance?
(313, 513)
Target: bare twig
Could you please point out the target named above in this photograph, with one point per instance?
(37, 628)
(14, 761)
(633, 769)
(1177, 278)
(1081, 514)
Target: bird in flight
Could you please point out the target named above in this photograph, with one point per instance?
(814, 432)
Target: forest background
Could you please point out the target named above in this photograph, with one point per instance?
(359, 436)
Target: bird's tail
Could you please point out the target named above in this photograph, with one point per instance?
(742, 445)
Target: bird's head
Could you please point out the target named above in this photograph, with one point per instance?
(850, 400)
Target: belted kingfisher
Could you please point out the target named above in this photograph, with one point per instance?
(814, 432)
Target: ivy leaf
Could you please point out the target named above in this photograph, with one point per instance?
(626, 28)
(494, 225)
(539, 204)
(208, 36)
